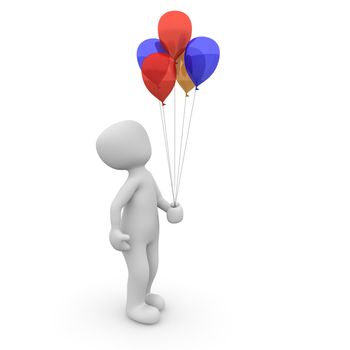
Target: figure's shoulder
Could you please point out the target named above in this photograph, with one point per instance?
(133, 181)
(150, 176)
(144, 178)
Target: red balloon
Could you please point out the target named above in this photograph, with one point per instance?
(159, 75)
(174, 30)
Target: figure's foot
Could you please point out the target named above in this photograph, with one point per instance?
(143, 313)
(156, 301)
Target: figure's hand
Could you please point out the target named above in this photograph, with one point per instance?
(175, 214)
(119, 240)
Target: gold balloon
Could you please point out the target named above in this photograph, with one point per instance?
(181, 75)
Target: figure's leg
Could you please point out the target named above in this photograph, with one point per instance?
(152, 256)
(136, 259)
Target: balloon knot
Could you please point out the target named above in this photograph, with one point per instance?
(187, 95)
(163, 104)
(197, 88)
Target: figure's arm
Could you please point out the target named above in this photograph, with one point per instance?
(119, 202)
(161, 202)
(117, 238)
(174, 213)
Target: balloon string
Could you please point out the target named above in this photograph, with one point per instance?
(165, 134)
(181, 144)
(174, 136)
(184, 153)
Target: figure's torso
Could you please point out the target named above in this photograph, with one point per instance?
(140, 215)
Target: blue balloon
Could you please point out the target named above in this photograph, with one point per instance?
(201, 59)
(148, 47)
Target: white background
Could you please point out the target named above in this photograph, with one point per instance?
(261, 260)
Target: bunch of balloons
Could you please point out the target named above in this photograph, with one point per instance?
(175, 57)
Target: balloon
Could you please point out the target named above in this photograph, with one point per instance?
(174, 31)
(181, 75)
(201, 59)
(148, 47)
(159, 75)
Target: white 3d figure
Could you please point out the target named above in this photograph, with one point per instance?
(135, 232)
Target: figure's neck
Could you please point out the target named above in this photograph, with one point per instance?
(137, 170)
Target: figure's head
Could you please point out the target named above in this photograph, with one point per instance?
(124, 145)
